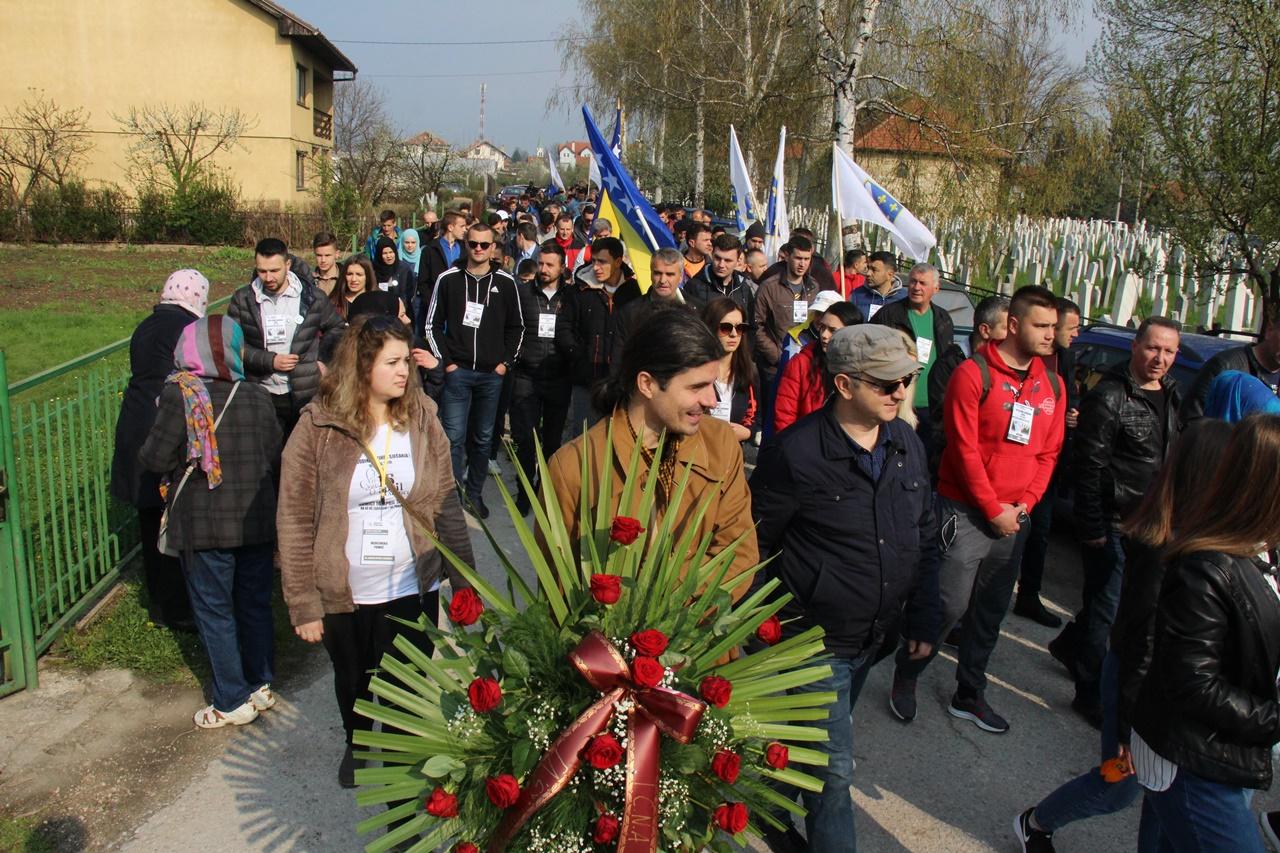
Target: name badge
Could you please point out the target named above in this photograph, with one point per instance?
(1020, 423)
(276, 329)
(546, 325)
(924, 348)
(872, 309)
(799, 311)
(471, 316)
(384, 286)
(375, 544)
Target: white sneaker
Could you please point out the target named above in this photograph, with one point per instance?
(263, 698)
(210, 717)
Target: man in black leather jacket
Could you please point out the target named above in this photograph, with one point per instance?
(1127, 424)
(1261, 360)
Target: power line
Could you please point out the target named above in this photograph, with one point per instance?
(485, 74)
(450, 43)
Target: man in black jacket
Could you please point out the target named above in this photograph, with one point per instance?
(666, 268)
(1261, 360)
(437, 256)
(588, 322)
(475, 326)
(283, 318)
(1127, 424)
(720, 278)
(539, 385)
(932, 330)
(842, 498)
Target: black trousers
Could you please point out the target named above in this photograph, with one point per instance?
(357, 641)
(166, 586)
(537, 406)
(286, 414)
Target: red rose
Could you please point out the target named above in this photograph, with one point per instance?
(603, 752)
(442, 804)
(776, 756)
(485, 694)
(647, 672)
(624, 530)
(465, 847)
(770, 630)
(732, 817)
(606, 589)
(606, 829)
(716, 690)
(650, 642)
(466, 607)
(503, 791)
(726, 765)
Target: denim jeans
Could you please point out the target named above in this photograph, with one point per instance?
(1103, 573)
(1198, 816)
(468, 407)
(829, 823)
(538, 406)
(231, 601)
(1089, 794)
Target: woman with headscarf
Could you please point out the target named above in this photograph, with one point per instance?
(411, 254)
(218, 440)
(1234, 395)
(391, 274)
(185, 295)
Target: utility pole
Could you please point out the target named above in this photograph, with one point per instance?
(483, 86)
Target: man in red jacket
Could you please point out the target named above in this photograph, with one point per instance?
(1003, 419)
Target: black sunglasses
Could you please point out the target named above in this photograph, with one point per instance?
(730, 328)
(886, 387)
(479, 244)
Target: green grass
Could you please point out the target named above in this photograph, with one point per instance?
(23, 835)
(59, 302)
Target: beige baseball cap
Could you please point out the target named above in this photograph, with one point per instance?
(870, 350)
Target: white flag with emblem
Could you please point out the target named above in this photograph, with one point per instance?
(856, 195)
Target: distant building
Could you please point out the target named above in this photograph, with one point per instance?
(427, 142)
(253, 55)
(483, 157)
(575, 153)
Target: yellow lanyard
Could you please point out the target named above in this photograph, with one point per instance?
(380, 465)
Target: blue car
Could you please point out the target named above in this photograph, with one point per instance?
(1100, 347)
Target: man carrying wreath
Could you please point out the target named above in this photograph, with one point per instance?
(665, 384)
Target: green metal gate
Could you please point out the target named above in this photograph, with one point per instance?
(17, 645)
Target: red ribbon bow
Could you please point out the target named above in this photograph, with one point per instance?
(657, 711)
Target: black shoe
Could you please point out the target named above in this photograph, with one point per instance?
(1033, 608)
(1270, 823)
(785, 841)
(475, 507)
(1032, 840)
(953, 637)
(902, 698)
(977, 711)
(1091, 711)
(522, 504)
(1062, 650)
(347, 769)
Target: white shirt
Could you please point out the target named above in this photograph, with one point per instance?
(373, 515)
(281, 315)
(724, 408)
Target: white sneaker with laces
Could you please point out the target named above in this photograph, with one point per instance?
(210, 717)
(263, 698)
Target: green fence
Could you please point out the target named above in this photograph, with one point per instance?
(63, 538)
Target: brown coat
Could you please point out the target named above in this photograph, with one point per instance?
(774, 303)
(311, 521)
(716, 467)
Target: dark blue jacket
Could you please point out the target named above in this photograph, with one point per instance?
(851, 552)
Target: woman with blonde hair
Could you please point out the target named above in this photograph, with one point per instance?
(364, 475)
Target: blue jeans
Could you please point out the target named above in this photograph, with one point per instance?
(829, 823)
(468, 407)
(231, 601)
(1103, 572)
(1089, 794)
(1198, 816)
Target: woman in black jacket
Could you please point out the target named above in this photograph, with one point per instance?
(738, 385)
(1208, 712)
(182, 302)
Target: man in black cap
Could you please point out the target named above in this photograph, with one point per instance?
(754, 237)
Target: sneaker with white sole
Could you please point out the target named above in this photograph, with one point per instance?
(1032, 840)
(210, 717)
(263, 698)
(976, 710)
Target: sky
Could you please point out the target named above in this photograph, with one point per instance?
(520, 77)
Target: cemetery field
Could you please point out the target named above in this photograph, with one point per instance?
(59, 302)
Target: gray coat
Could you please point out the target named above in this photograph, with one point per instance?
(318, 319)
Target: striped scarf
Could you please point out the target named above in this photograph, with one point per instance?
(209, 348)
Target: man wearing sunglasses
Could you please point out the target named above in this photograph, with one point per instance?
(1003, 418)
(843, 498)
(475, 326)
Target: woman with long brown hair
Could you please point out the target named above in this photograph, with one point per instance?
(365, 472)
(738, 385)
(1208, 712)
(357, 277)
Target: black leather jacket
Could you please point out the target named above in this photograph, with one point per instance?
(1238, 358)
(1209, 703)
(1117, 449)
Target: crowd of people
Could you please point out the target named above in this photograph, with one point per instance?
(904, 483)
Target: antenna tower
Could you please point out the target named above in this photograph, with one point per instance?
(483, 86)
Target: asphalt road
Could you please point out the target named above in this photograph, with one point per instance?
(939, 784)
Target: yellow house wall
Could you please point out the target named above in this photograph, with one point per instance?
(932, 185)
(108, 55)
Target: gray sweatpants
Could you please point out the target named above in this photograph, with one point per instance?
(977, 577)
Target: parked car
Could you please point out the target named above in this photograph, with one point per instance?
(1101, 346)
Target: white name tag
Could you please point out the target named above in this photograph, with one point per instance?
(799, 311)
(384, 286)
(375, 544)
(1020, 423)
(471, 316)
(276, 328)
(546, 325)
(924, 347)
(872, 309)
